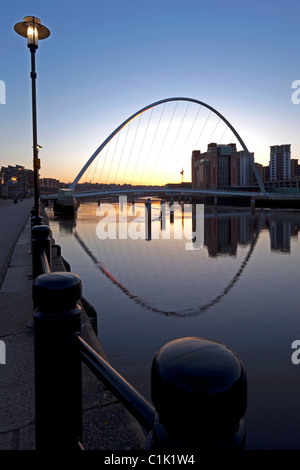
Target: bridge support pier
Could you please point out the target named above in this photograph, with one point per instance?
(252, 205)
(163, 214)
(171, 211)
(148, 219)
(215, 203)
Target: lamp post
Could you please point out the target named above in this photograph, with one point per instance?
(32, 29)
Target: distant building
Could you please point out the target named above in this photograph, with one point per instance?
(295, 168)
(216, 168)
(19, 173)
(16, 181)
(266, 173)
(49, 185)
(243, 169)
(13, 189)
(49, 182)
(185, 185)
(280, 162)
(253, 179)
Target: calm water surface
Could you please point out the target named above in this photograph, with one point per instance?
(241, 288)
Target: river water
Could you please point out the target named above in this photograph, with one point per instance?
(235, 279)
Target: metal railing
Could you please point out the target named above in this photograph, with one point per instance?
(45, 263)
(196, 404)
(133, 401)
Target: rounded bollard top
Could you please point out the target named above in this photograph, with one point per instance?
(57, 292)
(200, 382)
(40, 231)
(36, 219)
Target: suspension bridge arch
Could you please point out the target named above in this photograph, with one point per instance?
(157, 103)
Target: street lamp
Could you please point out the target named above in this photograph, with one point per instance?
(32, 29)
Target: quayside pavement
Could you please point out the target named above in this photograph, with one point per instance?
(106, 423)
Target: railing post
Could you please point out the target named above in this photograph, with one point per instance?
(58, 388)
(199, 390)
(40, 241)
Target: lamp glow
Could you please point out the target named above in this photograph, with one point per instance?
(32, 29)
(32, 36)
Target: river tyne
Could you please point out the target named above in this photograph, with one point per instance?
(240, 286)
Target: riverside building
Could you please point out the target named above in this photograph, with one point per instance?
(280, 162)
(216, 168)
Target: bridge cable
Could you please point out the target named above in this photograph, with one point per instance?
(198, 140)
(131, 151)
(153, 140)
(87, 174)
(178, 131)
(128, 127)
(112, 159)
(143, 141)
(103, 166)
(210, 139)
(194, 123)
(166, 134)
(96, 166)
(191, 129)
(223, 135)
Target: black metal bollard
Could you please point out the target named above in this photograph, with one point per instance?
(58, 392)
(40, 241)
(199, 390)
(36, 220)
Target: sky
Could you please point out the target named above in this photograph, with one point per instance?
(105, 60)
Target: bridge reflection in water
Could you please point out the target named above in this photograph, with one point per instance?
(241, 288)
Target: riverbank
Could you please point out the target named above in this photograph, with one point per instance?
(106, 423)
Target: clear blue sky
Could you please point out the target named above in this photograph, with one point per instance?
(105, 60)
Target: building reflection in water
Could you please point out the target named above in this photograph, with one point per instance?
(223, 233)
(131, 266)
(282, 229)
(251, 306)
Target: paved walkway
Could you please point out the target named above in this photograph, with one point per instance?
(13, 218)
(106, 424)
